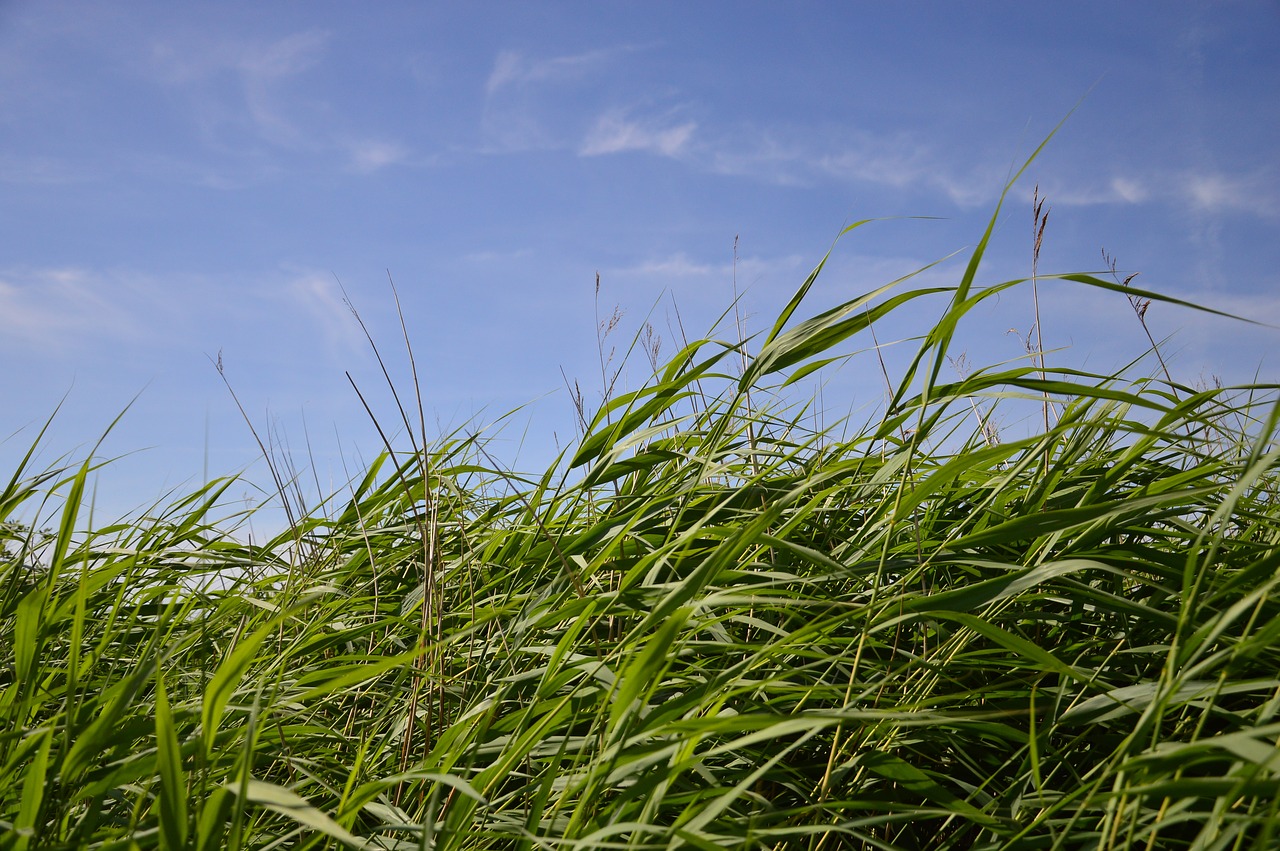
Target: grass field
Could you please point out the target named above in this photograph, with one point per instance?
(707, 626)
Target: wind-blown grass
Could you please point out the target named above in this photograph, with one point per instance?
(718, 630)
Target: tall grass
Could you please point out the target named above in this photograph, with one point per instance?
(708, 626)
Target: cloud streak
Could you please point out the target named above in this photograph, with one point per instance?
(259, 69)
(616, 132)
(968, 179)
(1214, 192)
(321, 298)
(790, 157)
(57, 307)
(679, 266)
(540, 104)
(512, 69)
(263, 103)
(372, 155)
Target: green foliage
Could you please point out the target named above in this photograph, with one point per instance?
(720, 630)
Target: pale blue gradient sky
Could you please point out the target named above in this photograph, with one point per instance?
(179, 179)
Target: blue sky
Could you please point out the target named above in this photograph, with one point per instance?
(183, 179)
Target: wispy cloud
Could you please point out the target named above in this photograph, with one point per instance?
(496, 257)
(801, 157)
(260, 70)
(370, 155)
(967, 178)
(513, 69)
(897, 161)
(517, 128)
(261, 73)
(615, 132)
(238, 94)
(767, 159)
(1206, 192)
(320, 297)
(1196, 344)
(55, 308)
(1129, 190)
(1214, 192)
(1118, 190)
(244, 93)
(193, 57)
(680, 267)
(785, 270)
(539, 103)
(677, 265)
(286, 57)
(41, 170)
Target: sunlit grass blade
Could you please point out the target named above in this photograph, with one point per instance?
(173, 786)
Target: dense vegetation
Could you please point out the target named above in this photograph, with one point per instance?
(718, 629)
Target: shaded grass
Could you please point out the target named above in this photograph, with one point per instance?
(719, 629)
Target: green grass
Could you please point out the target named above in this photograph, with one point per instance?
(707, 627)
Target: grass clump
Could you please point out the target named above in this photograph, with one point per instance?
(722, 629)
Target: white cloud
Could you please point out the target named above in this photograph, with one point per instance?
(1101, 331)
(1205, 192)
(897, 161)
(878, 161)
(285, 57)
(320, 296)
(680, 267)
(40, 170)
(261, 73)
(673, 266)
(969, 179)
(1254, 307)
(240, 93)
(56, 307)
(1129, 190)
(1119, 190)
(494, 257)
(535, 104)
(371, 155)
(508, 68)
(1216, 193)
(189, 57)
(614, 132)
(768, 160)
(792, 158)
(259, 68)
(516, 129)
(513, 68)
